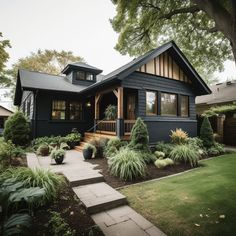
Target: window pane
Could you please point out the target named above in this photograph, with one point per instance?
(151, 103)
(80, 75)
(168, 104)
(76, 111)
(184, 106)
(58, 110)
(89, 76)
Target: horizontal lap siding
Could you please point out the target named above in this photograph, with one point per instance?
(46, 127)
(161, 130)
(159, 126)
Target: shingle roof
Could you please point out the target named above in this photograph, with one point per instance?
(223, 92)
(81, 65)
(37, 80)
(30, 79)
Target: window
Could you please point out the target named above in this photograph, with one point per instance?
(184, 106)
(82, 75)
(28, 107)
(168, 104)
(76, 111)
(58, 110)
(89, 76)
(151, 103)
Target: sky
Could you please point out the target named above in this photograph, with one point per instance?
(80, 26)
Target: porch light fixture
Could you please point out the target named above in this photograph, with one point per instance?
(88, 104)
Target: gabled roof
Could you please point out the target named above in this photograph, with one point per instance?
(5, 112)
(35, 80)
(132, 66)
(221, 93)
(31, 80)
(80, 65)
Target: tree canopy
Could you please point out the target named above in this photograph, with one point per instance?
(4, 56)
(48, 61)
(204, 29)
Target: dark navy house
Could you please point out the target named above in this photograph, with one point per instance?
(160, 87)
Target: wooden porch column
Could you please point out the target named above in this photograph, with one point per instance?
(97, 99)
(120, 112)
(120, 103)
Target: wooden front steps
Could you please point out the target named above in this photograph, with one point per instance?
(91, 136)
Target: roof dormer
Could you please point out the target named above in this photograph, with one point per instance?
(81, 73)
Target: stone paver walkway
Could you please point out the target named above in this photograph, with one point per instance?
(113, 216)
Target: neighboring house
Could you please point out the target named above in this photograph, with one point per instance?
(160, 87)
(4, 114)
(222, 94)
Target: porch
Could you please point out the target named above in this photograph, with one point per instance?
(125, 100)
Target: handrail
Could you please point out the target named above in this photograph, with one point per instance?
(96, 125)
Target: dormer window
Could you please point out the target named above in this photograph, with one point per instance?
(82, 75)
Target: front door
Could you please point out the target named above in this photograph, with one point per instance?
(131, 107)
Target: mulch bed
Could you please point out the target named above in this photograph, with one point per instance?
(152, 172)
(71, 210)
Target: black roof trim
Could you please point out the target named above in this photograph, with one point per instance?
(132, 66)
(80, 65)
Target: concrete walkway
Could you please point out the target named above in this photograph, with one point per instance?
(107, 206)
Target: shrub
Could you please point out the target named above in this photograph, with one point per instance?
(73, 137)
(206, 133)
(185, 153)
(127, 164)
(139, 136)
(17, 129)
(43, 150)
(216, 149)
(196, 142)
(148, 157)
(45, 179)
(51, 141)
(91, 146)
(112, 146)
(164, 147)
(111, 112)
(159, 155)
(100, 145)
(178, 136)
(57, 153)
(6, 149)
(18, 152)
(160, 164)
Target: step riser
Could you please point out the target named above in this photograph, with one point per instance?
(106, 206)
(87, 181)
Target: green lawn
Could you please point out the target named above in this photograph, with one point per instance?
(191, 204)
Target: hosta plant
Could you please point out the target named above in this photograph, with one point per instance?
(49, 181)
(127, 164)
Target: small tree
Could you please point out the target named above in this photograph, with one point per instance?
(139, 136)
(206, 133)
(17, 129)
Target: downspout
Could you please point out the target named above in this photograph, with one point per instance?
(35, 113)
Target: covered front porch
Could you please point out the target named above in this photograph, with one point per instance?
(125, 101)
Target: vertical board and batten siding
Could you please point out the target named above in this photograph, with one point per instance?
(164, 65)
(159, 126)
(45, 126)
(28, 100)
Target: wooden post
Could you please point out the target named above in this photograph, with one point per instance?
(120, 105)
(97, 99)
